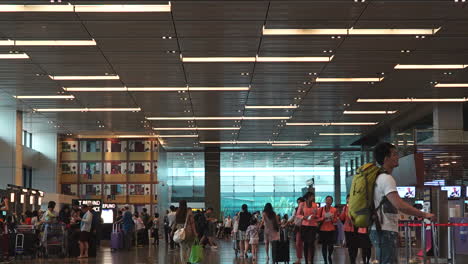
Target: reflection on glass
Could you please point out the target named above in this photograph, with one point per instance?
(88, 169)
(90, 146)
(69, 146)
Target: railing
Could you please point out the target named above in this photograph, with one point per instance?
(440, 137)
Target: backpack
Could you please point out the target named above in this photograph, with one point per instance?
(361, 197)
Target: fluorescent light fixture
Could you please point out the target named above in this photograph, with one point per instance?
(55, 42)
(95, 89)
(334, 124)
(194, 128)
(36, 8)
(293, 142)
(289, 145)
(369, 112)
(102, 77)
(430, 66)
(350, 31)
(217, 142)
(257, 59)
(22, 198)
(24, 190)
(41, 193)
(14, 56)
(452, 85)
(302, 143)
(87, 109)
(85, 8)
(340, 134)
(12, 197)
(177, 136)
(218, 59)
(31, 200)
(39, 201)
(219, 88)
(33, 192)
(271, 106)
(413, 100)
(294, 59)
(152, 89)
(123, 8)
(349, 79)
(7, 42)
(44, 97)
(221, 118)
(323, 31)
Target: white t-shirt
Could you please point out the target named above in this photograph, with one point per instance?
(228, 223)
(388, 214)
(86, 222)
(171, 218)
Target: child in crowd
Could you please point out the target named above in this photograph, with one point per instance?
(252, 233)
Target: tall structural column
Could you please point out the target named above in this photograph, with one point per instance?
(213, 179)
(45, 167)
(11, 148)
(337, 181)
(448, 122)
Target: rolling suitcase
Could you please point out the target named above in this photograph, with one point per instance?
(117, 239)
(280, 249)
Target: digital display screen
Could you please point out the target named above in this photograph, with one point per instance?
(419, 202)
(107, 216)
(408, 192)
(452, 191)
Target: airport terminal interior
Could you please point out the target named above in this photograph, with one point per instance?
(184, 131)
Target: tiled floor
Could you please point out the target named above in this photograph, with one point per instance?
(162, 255)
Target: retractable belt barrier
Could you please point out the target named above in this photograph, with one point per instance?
(429, 240)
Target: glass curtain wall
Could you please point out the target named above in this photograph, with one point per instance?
(186, 176)
(279, 178)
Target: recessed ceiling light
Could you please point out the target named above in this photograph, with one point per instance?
(452, 85)
(334, 124)
(44, 97)
(412, 100)
(430, 66)
(350, 31)
(89, 77)
(369, 112)
(271, 106)
(288, 145)
(320, 79)
(14, 56)
(36, 8)
(55, 42)
(87, 109)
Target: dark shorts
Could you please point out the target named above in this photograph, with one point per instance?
(84, 236)
(327, 237)
(308, 233)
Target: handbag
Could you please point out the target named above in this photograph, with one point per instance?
(196, 254)
(180, 234)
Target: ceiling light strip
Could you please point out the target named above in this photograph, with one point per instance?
(44, 97)
(86, 8)
(334, 124)
(452, 85)
(97, 77)
(14, 56)
(430, 66)
(220, 118)
(271, 106)
(194, 128)
(152, 89)
(256, 59)
(87, 109)
(369, 112)
(350, 31)
(339, 134)
(412, 100)
(348, 79)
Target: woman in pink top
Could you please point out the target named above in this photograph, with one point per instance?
(328, 217)
(297, 221)
(308, 212)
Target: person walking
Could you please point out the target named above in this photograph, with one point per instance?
(307, 211)
(253, 234)
(155, 229)
(211, 228)
(328, 217)
(140, 229)
(145, 217)
(244, 222)
(297, 222)
(272, 227)
(184, 219)
(167, 228)
(128, 227)
(85, 231)
(384, 231)
(228, 227)
(171, 217)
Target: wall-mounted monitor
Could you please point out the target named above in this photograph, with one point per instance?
(408, 192)
(453, 192)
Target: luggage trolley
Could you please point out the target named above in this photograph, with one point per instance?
(54, 240)
(26, 241)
